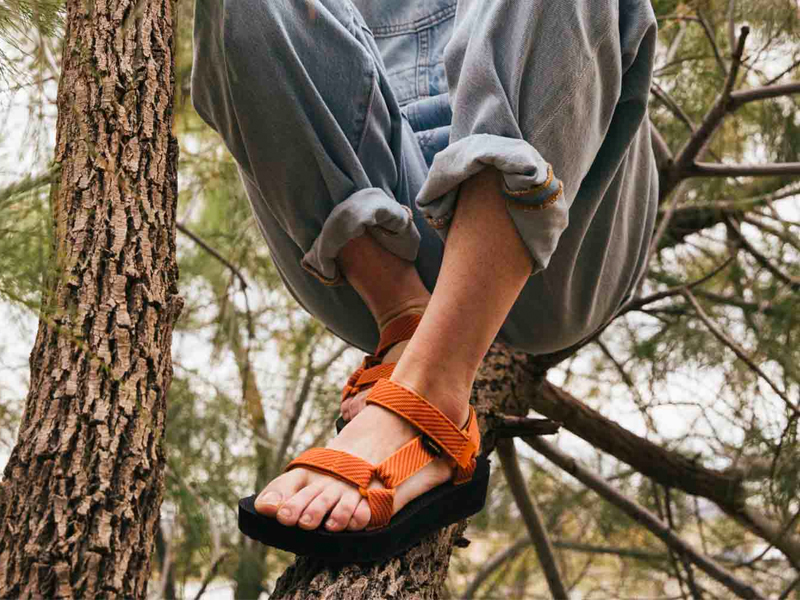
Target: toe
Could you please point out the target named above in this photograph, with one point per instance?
(345, 409)
(291, 510)
(278, 490)
(358, 403)
(317, 509)
(360, 518)
(343, 511)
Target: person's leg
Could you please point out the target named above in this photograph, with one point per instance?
(390, 287)
(501, 228)
(485, 266)
(299, 94)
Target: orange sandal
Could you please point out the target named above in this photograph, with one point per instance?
(387, 535)
(371, 369)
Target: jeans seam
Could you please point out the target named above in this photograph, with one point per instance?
(569, 94)
(415, 26)
(368, 111)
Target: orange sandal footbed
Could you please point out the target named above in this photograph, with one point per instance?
(387, 535)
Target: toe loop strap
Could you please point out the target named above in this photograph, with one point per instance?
(381, 505)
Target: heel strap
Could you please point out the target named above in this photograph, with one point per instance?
(398, 330)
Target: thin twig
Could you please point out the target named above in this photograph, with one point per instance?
(731, 24)
(710, 35)
(212, 572)
(637, 304)
(493, 564)
(644, 517)
(737, 349)
(196, 239)
(794, 282)
(532, 517)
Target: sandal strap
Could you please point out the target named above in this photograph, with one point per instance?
(403, 463)
(381, 506)
(342, 465)
(461, 445)
(398, 330)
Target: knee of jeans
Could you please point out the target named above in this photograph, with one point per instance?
(563, 318)
(256, 27)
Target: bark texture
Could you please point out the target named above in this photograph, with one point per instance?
(504, 386)
(81, 494)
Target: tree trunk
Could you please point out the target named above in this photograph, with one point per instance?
(80, 498)
(504, 386)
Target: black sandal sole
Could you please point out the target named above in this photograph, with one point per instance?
(340, 423)
(442, 506)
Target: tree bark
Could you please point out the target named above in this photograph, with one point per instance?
(81, 493)
(502, 388)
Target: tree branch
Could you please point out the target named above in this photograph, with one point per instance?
(661, 150)
(740, 170)
(737, 350)
(687, 220)
(644, 517)
(710, 35)
(793, 282)
(699, 141)
(763, 93)
(505, 426)
(197, 240)
(532, 517)
(661, 465)
(29, 183)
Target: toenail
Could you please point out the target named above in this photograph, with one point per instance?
(306, 519)
(285, 512)
(271, 499)
(331, 523)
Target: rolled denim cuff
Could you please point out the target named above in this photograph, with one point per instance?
(534, 196)
(370, 210)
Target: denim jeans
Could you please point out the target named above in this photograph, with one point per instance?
(348, 117)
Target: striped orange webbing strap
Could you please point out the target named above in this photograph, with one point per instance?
(461, 445)
(398, 467)
(398, 330)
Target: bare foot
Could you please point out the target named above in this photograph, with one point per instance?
(304, 497)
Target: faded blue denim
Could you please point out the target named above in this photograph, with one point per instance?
(347, 117)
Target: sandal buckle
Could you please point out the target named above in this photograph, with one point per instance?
(431, 446)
